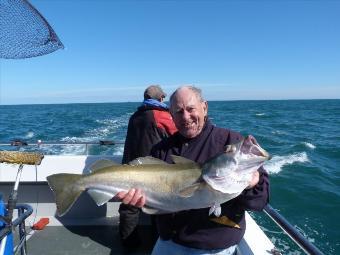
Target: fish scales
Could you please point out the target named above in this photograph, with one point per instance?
(156, 178)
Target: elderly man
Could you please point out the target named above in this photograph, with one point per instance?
(194, 231)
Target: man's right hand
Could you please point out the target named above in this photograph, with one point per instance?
(134, 197)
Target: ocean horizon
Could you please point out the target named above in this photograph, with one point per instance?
(167, 102)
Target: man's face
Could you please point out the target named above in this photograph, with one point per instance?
(188, 112)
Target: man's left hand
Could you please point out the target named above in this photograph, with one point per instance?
(133, 197)
(254, 180)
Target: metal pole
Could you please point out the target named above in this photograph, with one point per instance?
(22, 232)
(12, 200)
(292, 232)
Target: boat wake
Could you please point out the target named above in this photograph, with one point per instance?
(276, 164)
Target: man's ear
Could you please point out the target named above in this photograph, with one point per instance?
(205, 108)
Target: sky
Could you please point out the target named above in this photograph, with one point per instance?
(232, 50)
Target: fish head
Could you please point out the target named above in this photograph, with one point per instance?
(232, 170)
(251, 156)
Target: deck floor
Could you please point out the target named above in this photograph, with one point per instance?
(75, 240)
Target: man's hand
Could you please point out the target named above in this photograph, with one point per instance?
(134, 197)
(254, 180)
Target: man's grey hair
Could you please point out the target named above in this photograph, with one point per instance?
(197, 92)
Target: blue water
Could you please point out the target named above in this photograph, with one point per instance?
(302, 135)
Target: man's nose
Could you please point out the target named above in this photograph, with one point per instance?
(186, 115)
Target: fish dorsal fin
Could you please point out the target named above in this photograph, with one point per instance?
(146, 161)
(99, 196)
(101, 163)
(190, 190)
(181, 160)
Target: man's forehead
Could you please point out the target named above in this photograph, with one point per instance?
(189, 101)
(186, 96)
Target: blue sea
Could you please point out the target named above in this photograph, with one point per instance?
(303, 137)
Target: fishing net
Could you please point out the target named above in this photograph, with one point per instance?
(24, 32)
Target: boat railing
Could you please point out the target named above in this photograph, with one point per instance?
(24, 211)
(40, 143)
(291, 231)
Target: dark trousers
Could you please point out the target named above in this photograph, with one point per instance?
(128, 221)
(128, 225)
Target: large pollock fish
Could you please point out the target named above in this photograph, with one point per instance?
(168, 187)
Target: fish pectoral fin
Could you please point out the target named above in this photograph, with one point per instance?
(150, 210)
(190, 190)
(147, 161)
(101, 163)
(99, 196)
(181, 160)
(224, 220)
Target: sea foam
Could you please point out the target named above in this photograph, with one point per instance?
(29, 134)
(309, 145)
(119, 150)
(260, 114)
(275, 165)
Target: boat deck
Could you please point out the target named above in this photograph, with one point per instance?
(75, 240)
(101, 237)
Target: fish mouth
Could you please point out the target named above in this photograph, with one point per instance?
(251, 146)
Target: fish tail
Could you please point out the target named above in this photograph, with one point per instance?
(66, 190)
